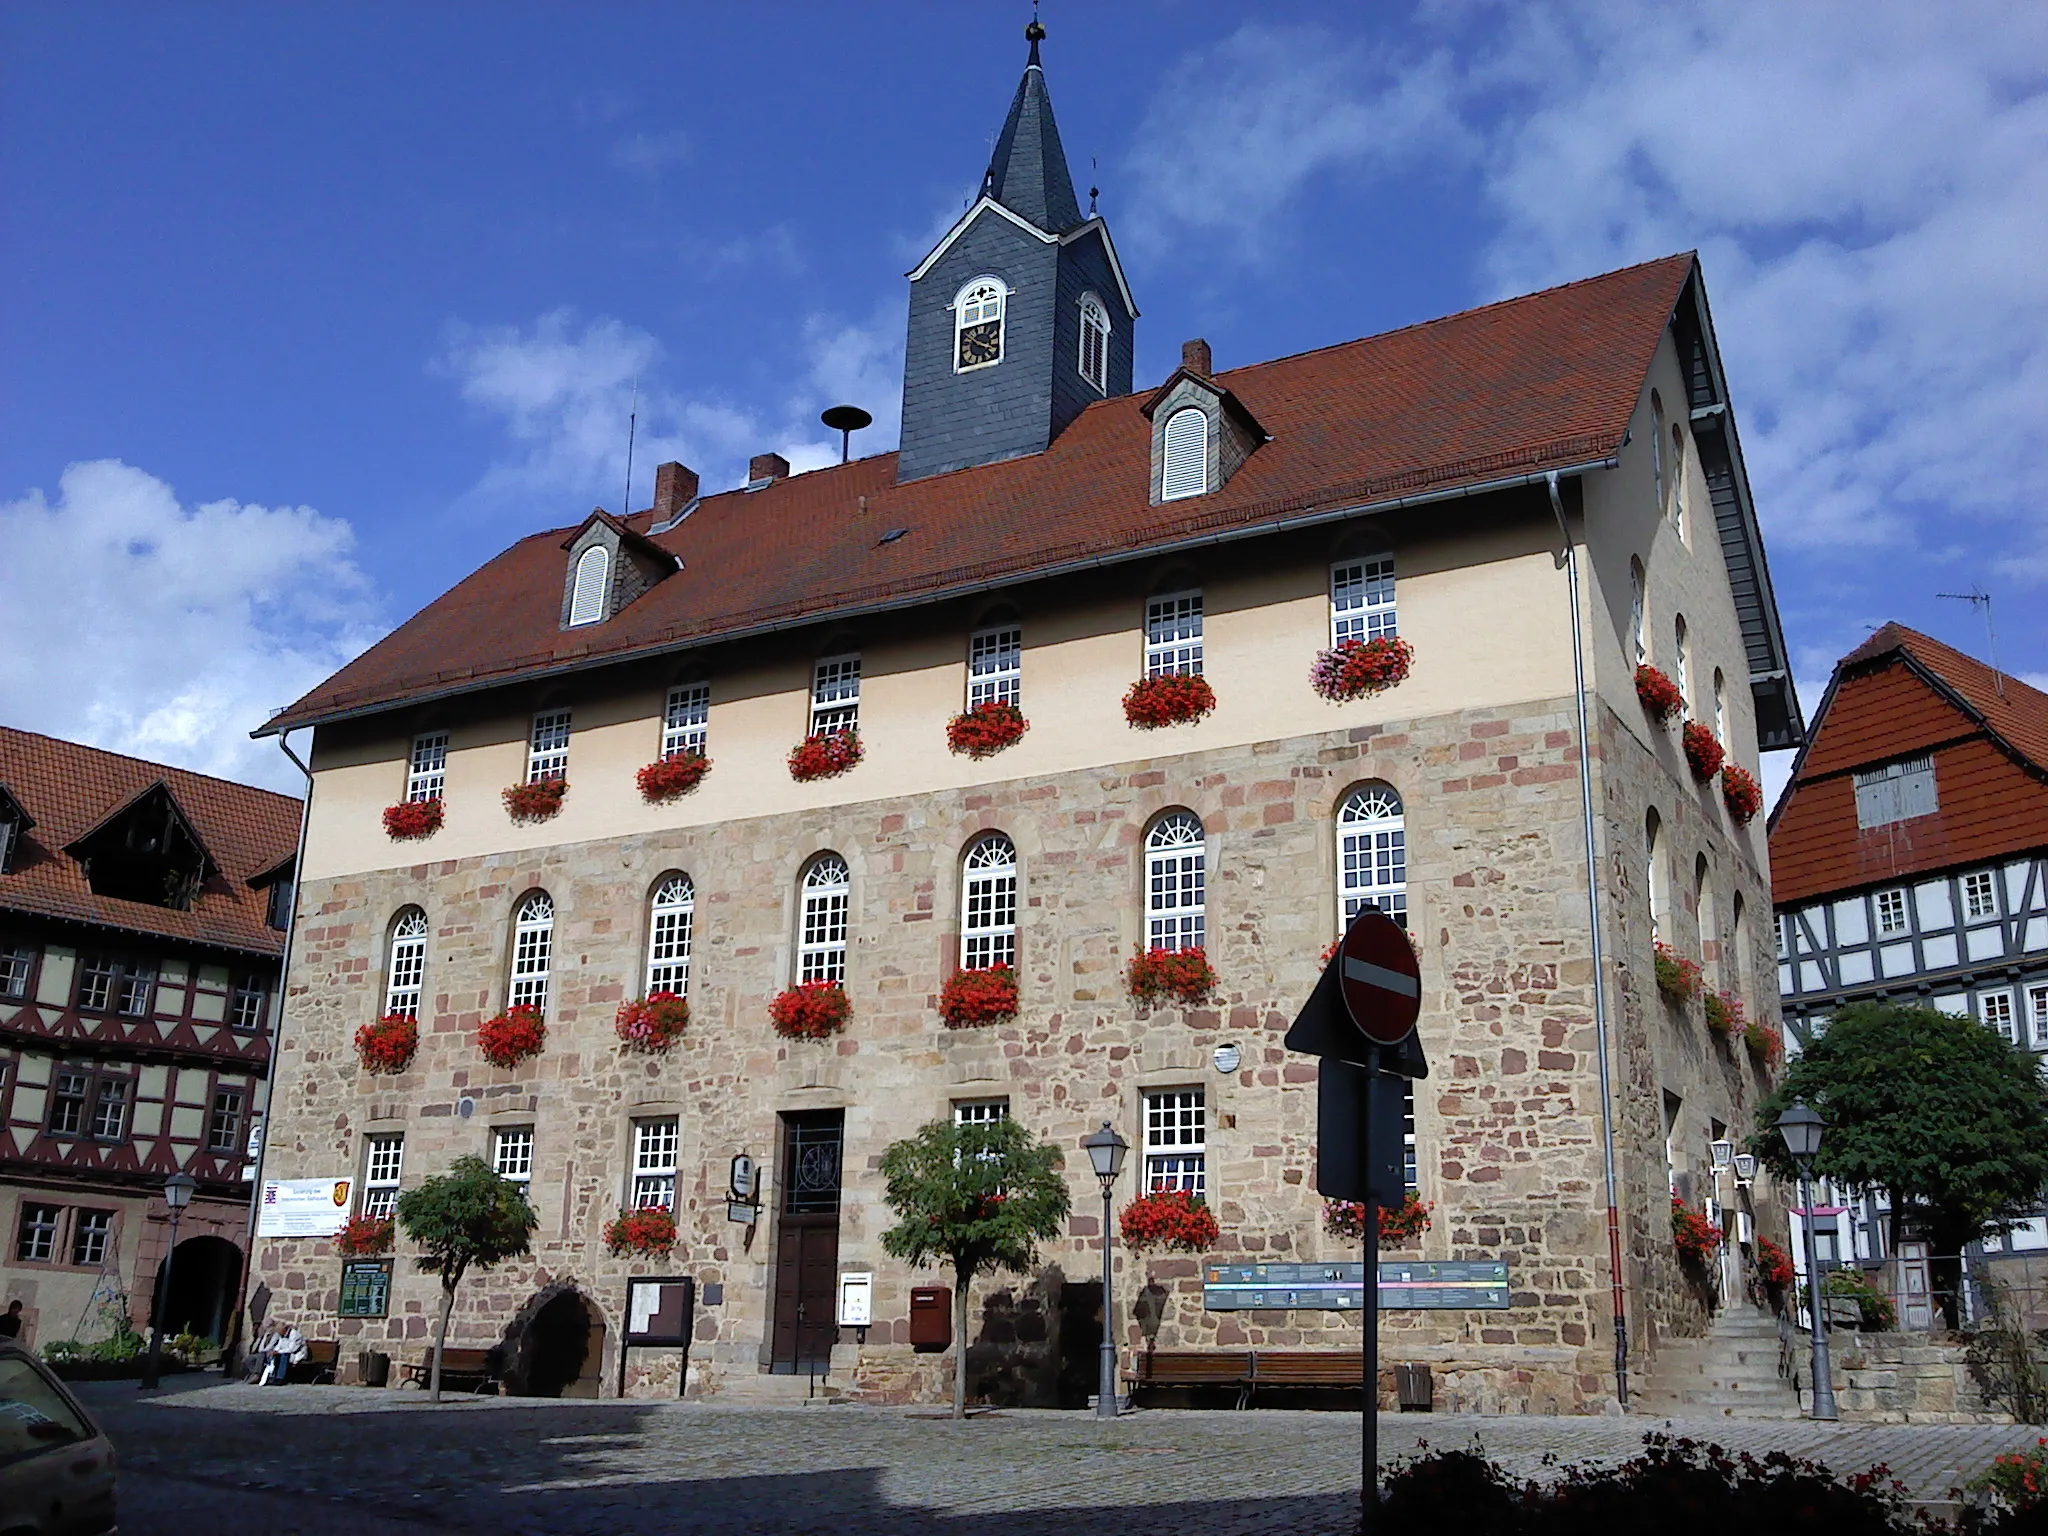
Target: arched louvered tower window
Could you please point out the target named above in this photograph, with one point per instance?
(1094, 358)
(586, 598)
(1186, 470)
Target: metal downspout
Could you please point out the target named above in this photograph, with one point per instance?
(1571, 563)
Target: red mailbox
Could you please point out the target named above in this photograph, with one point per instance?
(931, 1316)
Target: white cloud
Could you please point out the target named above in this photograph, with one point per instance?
(170, 632)
(652, 153)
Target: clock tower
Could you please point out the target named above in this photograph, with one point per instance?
(1019, 317)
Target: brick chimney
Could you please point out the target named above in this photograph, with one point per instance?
(767, 468)
(1194, 356)
(675, 487)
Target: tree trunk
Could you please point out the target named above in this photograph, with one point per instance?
(449, 1280)
(962, 1279)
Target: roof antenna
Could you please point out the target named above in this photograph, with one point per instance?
(1093, 192)
(1977, 597)
(632, 425)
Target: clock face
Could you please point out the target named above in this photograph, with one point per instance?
(981, 343)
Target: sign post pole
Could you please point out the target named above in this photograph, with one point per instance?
(1369, 1307)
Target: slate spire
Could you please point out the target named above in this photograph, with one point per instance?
(1028, 173)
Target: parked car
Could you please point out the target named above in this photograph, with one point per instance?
(56, 1467)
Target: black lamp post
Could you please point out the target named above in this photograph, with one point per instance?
(178, 1190)
(1802, 1127)
(1106, 1152)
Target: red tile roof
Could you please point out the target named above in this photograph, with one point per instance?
(67, 789)
(1547, 381)
(1901, 694)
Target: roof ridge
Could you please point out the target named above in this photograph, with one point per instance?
(159, 769)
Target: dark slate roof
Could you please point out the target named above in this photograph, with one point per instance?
(1028, 172)
(70, 789)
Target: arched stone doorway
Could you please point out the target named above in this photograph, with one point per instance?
(205, 1273)
(555, 1346)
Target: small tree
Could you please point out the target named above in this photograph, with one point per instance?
(1941, 1113)
(978, 1197)
(469, 1215)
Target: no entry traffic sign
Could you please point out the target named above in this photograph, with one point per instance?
(1379, 979)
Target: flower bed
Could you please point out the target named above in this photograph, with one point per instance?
(647, 1233)
(1172, 1219)
(825, 756)
(811, 1010)
(1741, 793)
(1659, 695)
(1358, 669)
(654, 1023)
(389, 1044)
(1172, 698)
(1182, 974)
(669, 777)
(1703, 751)
(412, 819)
(1399, 1225)
(1678, 976)
(1696, 1238)
(365, 1237)
(1724, 1013)
(1766, 1042)
(512, 1036)
(1773, 1264)
(537, 801)
(986, 729)
(2017, 1481)
(984, 996)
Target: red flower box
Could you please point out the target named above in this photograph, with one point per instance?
(986, 729)
(654, 1023)
(535, 802)
(811, 1010)
(512, 1036)
(1399, 1225)
(1695, 1237)
(670, 777)
(388, 1045)
(1169, 1218)
(824, 757)
(412, 818)
(1659, 694)
(1678, 977)
(1741, 793)
(1358, 669)
(1703, 751)
(1724, 1013)
(1183, 974)
(1773, 1264)
(1766, 1042)
(365, 1237)
(985, 996)
(648, 1233)
(1172, 698)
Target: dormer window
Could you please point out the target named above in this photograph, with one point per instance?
(586, 600)
(978, 324)
(1094, 360)
(145, 851)
(1186, 471)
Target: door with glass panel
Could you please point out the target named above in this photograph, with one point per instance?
(807, 1243)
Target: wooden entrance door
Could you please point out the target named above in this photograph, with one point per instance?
(807, 1246)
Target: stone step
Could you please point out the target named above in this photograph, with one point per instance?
(762, 1390)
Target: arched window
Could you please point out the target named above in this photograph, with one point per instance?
(1653, 835)
(586, 598)
(1739, 936)
(1720, 707)
(821, 942)
(1638, 635)
(1372, 854)
(1710, 921)
(1683, 641)
(407, 970)
(978, 324)
(533, 951)
(1176, 883)
(1657, 446)
(1094, 360)
(988, 904)
(1678, 506)
(1185, 471)
(668, 935)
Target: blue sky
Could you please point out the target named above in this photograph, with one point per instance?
(305, 311)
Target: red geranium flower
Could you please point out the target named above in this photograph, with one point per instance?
(388, 1045)
(1171, 698)
(365, 1237)
(1659, 695)
(1678, 976)
(653, 1023)
(1703, 750)
(512, 1036)
(537, 801)
(1357, 669)
(824, 756)
(1773, 1264)
(984, 996)
(1695, 1237)
(664, 780)
(985, 729)
(1399, 1224)
(1766, 1042)
(1183, 974)
(412, 818)
(1741, 793)
(1169, 1218)
(647, 1232)
(811, 1010)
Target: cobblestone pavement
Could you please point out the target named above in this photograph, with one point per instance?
(304, 1461)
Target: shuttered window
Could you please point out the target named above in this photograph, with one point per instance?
(1896, 792)
(586, 601)
(1186, 470)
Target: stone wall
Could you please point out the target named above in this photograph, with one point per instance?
(1902, 1378)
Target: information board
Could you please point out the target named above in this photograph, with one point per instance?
(1405, 1285)
(366, 1288)
(303, 1207)
(659, 1312)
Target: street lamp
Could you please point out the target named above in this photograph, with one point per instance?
(178, 1189)
(1106, 1151)
(1802, 1127)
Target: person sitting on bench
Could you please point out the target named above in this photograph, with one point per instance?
(286, 1351)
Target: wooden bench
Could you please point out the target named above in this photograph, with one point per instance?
(1246, 1370)
(1308, 1368)
(322, 1356)
(475, 1367)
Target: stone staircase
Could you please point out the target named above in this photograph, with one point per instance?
(762, 1390)
(1732, 1373)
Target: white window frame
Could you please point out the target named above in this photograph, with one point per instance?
(980, 1111)
(247, 997)
(671, 917)
(2037, 1010)
(1720, 707)
(686, 719)
(1681, 639)
(1177, 883)
(988, 903)
(426, 773)
(1787, 935)
(1184, 454)
(547, 749)
(1659, 876)
(995, 665)
(980, 300)
(587, 593)
(533, 947)
(655, 1146)
(383, 1168)
(823, 920)
(1638, 612)
(1372, 854)
(1657, 447)
(92, 1236)
(111, 1098)
(10, 829)
(1895, 792)
(1174, 623)
(405, 972)
(228, 1112)
(512, 1153)
(1176, 1155)
(1362, 599)
(1891, 912)
(1093, 361)
(1980, 895)
(1679, 501)
(835, 694)
(35, 1240)
(1996, 1010)
(17, 963)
